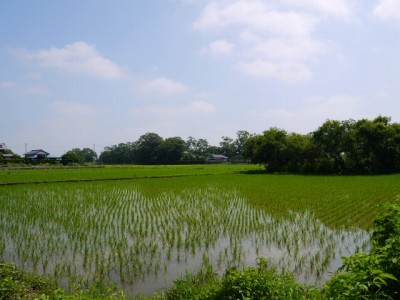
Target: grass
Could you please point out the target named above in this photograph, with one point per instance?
(167, 219)
(18, 284)
(44, 175)
(338, 201)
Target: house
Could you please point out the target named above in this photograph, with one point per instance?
(5, 152)
(3, 148)
(36, 154)
(214, 158)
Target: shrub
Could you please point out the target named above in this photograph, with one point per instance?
(15, 284)
(375, 275)
(261, 282)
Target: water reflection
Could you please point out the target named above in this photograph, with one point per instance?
(145, 243)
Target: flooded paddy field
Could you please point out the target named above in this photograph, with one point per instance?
(143, 234)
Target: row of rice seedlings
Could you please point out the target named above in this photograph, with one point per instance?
(121, 235)
(338, 201)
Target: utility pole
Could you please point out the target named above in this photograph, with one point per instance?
(94, 150)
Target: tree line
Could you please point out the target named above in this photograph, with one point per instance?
(336, 147)
(79, 156)
(151, 148)
(339, 147)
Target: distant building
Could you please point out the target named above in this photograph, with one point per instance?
(5, 152)
(216, 158)
(36, 154)
(3, 148)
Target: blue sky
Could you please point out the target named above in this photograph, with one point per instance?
(84, 73)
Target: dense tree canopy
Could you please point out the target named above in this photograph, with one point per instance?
(171, 151)
(336, 147)
(78, 156)
(364, 146)
(150, 148)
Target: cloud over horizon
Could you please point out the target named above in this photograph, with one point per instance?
(318, 109)
(387, 9)
(162, 85)
(202, 68)
(278, 39)
(194, 108)
(76, 58)
(219, 48)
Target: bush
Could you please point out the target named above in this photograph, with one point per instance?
(194, 286)
(261, 282)
(375, 275)
(17, 284)
(361, 277)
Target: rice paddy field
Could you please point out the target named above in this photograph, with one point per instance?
(141, 228)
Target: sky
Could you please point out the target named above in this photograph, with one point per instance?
(77, 74)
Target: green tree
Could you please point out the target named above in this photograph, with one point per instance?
(123, 153)
(267, 149)
(298, 153)
(148, 149)
(171, 150)
(379, 145)
(76, 155)
(72, 156)
(227, 147)
(88, 155)
(241, 137)
(330, 140)
(196, 150)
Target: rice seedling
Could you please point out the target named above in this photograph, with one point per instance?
(144, 234)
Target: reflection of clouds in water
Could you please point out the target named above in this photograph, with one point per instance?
(298, 243)
(145, 243)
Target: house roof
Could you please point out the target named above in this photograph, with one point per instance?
(218, 156)
(3, 146)
(36, 152)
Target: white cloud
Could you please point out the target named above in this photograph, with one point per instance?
(285, 71)
(312, 112)
(73, 109)
(32, 89)
(163, 85)
(219, 47)
(338, 8)
(77, 58)
(189, 1)
(334, 107)
(193, 108)
(256, 15)
(387, 9)
(275, 39)
(278, 49)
